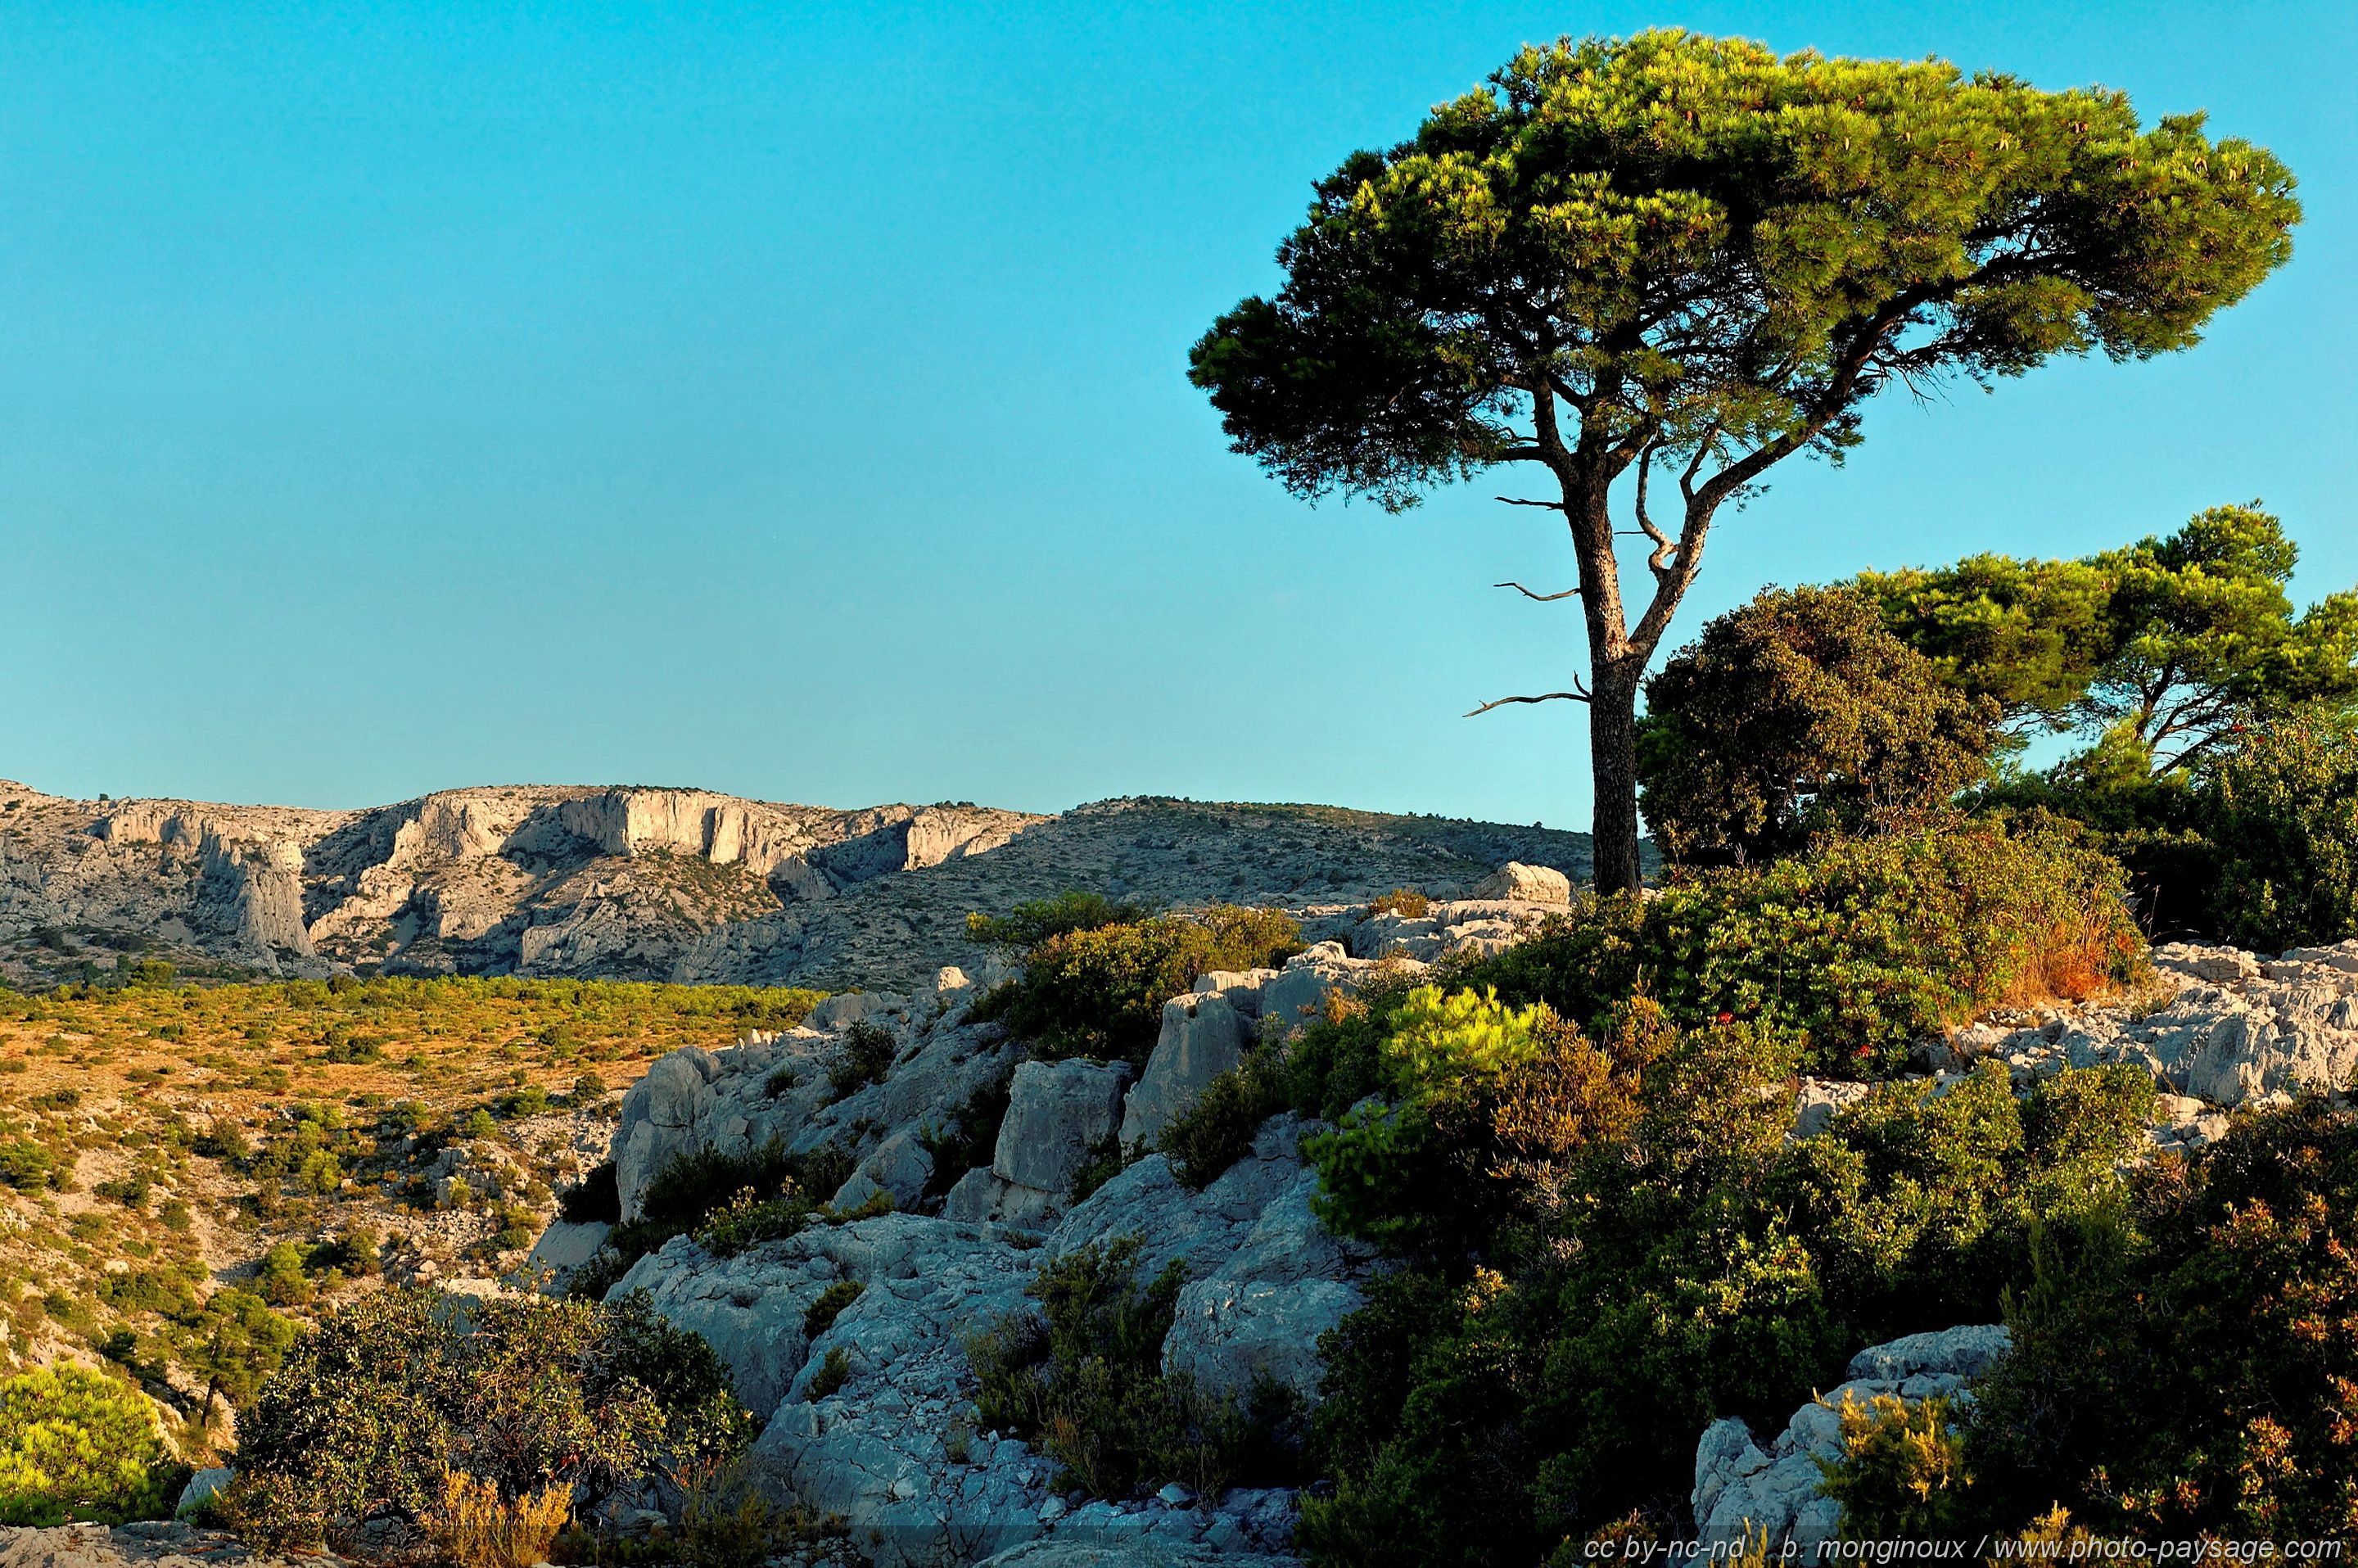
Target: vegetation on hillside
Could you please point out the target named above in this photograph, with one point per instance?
(1094, 975)
(158, 1136)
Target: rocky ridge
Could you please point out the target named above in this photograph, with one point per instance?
(892, 1447)
(646, 883)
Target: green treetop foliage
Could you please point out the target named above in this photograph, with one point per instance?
(75, 1445)
(1687, 255)
(1796, 715)
(2157, 652)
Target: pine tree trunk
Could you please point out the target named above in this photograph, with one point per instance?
(1613, 767)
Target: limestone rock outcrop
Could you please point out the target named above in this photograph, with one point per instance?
(2231, 1029)
(166, 1544)
(1743, 1491)
(1525, 884)
(891, 1447)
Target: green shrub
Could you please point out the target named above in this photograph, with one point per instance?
(1902, 1474)
(725, 1522)
(1406, 902)
(2187, 1363)
(1795, 716)
(1086, 1384)
(369, 1411)
(223, 1140)
(866, 1058)
(594, 1199)
(279, 1280)
(1103, 1164)
(1027, 925)
(1099, 992)
(832, 1374)
(75, 1445)
(748, 1221)
(1218, 1129)
(27, 1165)
(696, 1183)
(2283, 814)
(1609, 1242)
(971, 1140)
(822, 1313)
(1858, 949)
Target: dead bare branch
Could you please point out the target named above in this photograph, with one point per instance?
(1542, 597)
(1543, 697)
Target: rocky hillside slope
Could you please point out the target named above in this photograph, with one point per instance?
(869, 1411)
(640, 883)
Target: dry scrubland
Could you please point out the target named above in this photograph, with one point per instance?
(180, 1159)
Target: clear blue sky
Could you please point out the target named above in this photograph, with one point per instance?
(790, 400)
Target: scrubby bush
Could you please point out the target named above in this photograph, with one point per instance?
(746, 1221)
(2284, 813)
(2189, 1363)
(1029, 925)
(1902, 1473)
(1100, 991)
(1218, 1129)
(595, 1199)
(828, 1305)
(1085, 1383)
(75, 1445)
(833, 1372)
(725, 1521)
(970, 1137)
(371, 1412)
(867, 1058)
(1609, 1242)
(477, 1528)
(1856, 949)
(729, 1201)
(27, 1165)
(1796, 716)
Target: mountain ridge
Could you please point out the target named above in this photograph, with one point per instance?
(642, 883)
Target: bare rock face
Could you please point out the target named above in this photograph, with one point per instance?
(2230, 1029)
(168, 1543)
(1203, 1035)
(1057, 1115)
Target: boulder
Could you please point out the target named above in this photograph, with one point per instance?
(1228, 1334)
(979, 1196)
(901, 1165)
(1969, 1352)
(662, 1113)
(563, 1247)
(1260, 1313)
(200, 1487)
(1297, 996)
(1816, 1100)
(1058, 1115)
(1202, 1037)
(1241, 988)
(1743, 1491)
(1526, 885)
(1390, 935)
(2220, 965)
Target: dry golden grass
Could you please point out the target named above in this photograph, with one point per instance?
(479, 1528)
